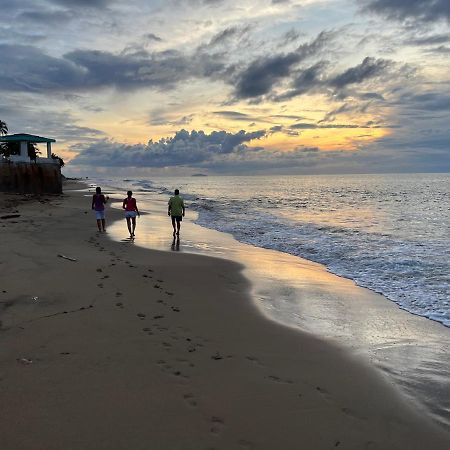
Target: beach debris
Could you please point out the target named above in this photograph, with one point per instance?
(67, 257)
(175, 309)
(158, 317)
(10, 216)
(141, 315)
(24, 361)
(35, 299)
(217, 356)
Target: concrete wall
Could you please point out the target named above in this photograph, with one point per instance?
(30, 178)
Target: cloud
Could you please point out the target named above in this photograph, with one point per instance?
(83, 3)
(315, 79)
(195, 148)
(423, 10)
(224, 36)
(152, 37)
(369, 68)
(46, 17)
(429, 40)
(90, 69)
(313, 126)
(261, 75)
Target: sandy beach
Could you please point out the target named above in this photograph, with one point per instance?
(126, 348)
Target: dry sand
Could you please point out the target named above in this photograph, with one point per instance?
(127, 348)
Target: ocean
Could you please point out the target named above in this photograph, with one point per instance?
(389, 233)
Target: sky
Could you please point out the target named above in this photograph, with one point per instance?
(171, 87)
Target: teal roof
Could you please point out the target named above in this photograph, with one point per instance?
(23, 137)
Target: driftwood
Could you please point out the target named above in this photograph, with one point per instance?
(67, 257)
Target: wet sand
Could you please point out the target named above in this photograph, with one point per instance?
(412, 352)
(130, 348)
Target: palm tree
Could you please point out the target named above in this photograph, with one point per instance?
(3, 128)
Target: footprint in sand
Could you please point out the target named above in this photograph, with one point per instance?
(245, 444)
(190, 400)
(141, 316)
(352, 413)
(120, 305)
(217, 425)
(118, 294)
(254, 360)
(279, 380)
(325, 394)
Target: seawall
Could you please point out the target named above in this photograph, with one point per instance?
(30, 178)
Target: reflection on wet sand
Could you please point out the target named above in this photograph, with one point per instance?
(175, 244)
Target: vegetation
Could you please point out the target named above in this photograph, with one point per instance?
(60, 160)
(3, 128)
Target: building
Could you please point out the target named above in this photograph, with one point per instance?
(18, 173)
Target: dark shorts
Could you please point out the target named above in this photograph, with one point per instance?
(177, 218)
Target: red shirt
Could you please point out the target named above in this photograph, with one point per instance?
(129, 204)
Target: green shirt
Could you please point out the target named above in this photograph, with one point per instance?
(176, 205)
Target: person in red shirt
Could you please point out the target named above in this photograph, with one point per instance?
(131, 211)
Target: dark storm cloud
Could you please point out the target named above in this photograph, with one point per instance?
(424, 10)
(130, 71)
(315, 79)
(369, 68)
(185, 148)
(305, 80)
(261, 75)
(26, 68)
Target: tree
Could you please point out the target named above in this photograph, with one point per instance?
(3, 128)
(60, 160)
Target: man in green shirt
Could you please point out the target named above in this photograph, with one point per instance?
(176, 211)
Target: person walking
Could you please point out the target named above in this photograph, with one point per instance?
(176, 211)
(131, 211)
(98, 205)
